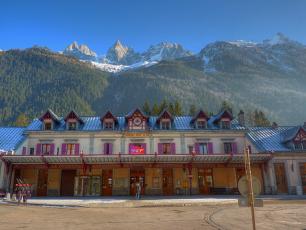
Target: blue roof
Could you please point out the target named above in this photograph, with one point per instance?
(94, 124)
(269, 139)
(11, 138)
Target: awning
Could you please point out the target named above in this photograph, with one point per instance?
(124, 158)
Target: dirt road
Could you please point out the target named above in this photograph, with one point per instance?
(272, 216)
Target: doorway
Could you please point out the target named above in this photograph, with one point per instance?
(167, 182)
(67, 182)
(137, 176)
(205, 180)
(42, 182)
(281, 179)
(107, 182)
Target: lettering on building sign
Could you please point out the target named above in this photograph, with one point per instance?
(128, 134)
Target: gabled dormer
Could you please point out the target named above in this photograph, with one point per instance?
(109, 121)
(164, 120)
(73, 121)
(223, 119)
(295, 138)
(137, 120)
(200, 120)
(49, 119)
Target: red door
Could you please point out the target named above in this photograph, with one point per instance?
(67, 182)
(42, 182)
(107, 182)
(137, 176)
(167, 182)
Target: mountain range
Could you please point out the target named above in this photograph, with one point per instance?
(269, 76)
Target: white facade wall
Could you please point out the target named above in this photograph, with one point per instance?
(93, 142)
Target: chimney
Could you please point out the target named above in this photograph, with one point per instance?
(304, 126)
(274, 125)
(241, 119)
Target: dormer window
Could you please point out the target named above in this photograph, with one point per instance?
(201, 124)
(109, 121)
(224, 124)
(73, 121)
(47, 125)
(165, 125)
(72, 125)
(300, 145)
(108, 125)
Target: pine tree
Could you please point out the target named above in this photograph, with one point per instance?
(192, 110)
(155, 110)
(22, 120)
(178, 111)
(260, 119)
(171, 109)
(226, 106)
(163, 105)
(146, 108)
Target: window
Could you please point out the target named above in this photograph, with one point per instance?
(166, 148)
(48, 126)
(108, 148)
(225, 125)
(201, 124)
(70, 148)
(165, 125)
(72, 126)
(203, 148)
(31, 151)
(190, 149)
(228, 148)
(304, 144)
(108, 125)
(45, 149)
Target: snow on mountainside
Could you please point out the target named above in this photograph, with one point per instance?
(165, 51)
(81, 52)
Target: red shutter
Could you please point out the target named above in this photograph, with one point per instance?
(250, 148)
(144, 146)
(38, 149)
(52, 149)
(210, 148)
(160, 148)
(172, 148)
(234, 148)
(110, 148)
(77, 149)
(24, 150)
(104, 148)
(197, 148)
(64, 149)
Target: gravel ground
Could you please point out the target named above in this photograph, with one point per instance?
(278, 215)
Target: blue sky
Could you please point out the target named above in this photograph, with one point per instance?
(139, 23)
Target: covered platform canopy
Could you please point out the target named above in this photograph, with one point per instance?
(125, 158)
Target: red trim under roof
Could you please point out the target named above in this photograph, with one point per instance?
(73, 115)
(107, 115)
(164, 115)
(200, 114)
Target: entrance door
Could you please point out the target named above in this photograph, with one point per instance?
(42, 182)
(137, 176)
(67, 182)
(281, 179)
(107, 182)
(303, 176)
(167, 182)
(205, 180)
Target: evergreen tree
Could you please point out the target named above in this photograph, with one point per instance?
(22, 120)
(178, 111)
(192, 110)
(226, 106)
(260, 119)
(171, 108)
(155, 110)
(163, 105)
(146, 108)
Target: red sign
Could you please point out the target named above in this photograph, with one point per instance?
(137, 149)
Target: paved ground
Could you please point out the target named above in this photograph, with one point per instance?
(274, 215)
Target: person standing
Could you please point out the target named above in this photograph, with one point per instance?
(138, 190)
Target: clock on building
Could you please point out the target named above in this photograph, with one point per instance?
(137, 121)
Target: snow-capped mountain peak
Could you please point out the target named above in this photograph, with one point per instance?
(82, 52)
(278, 38)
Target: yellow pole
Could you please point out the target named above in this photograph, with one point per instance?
(250, 185)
